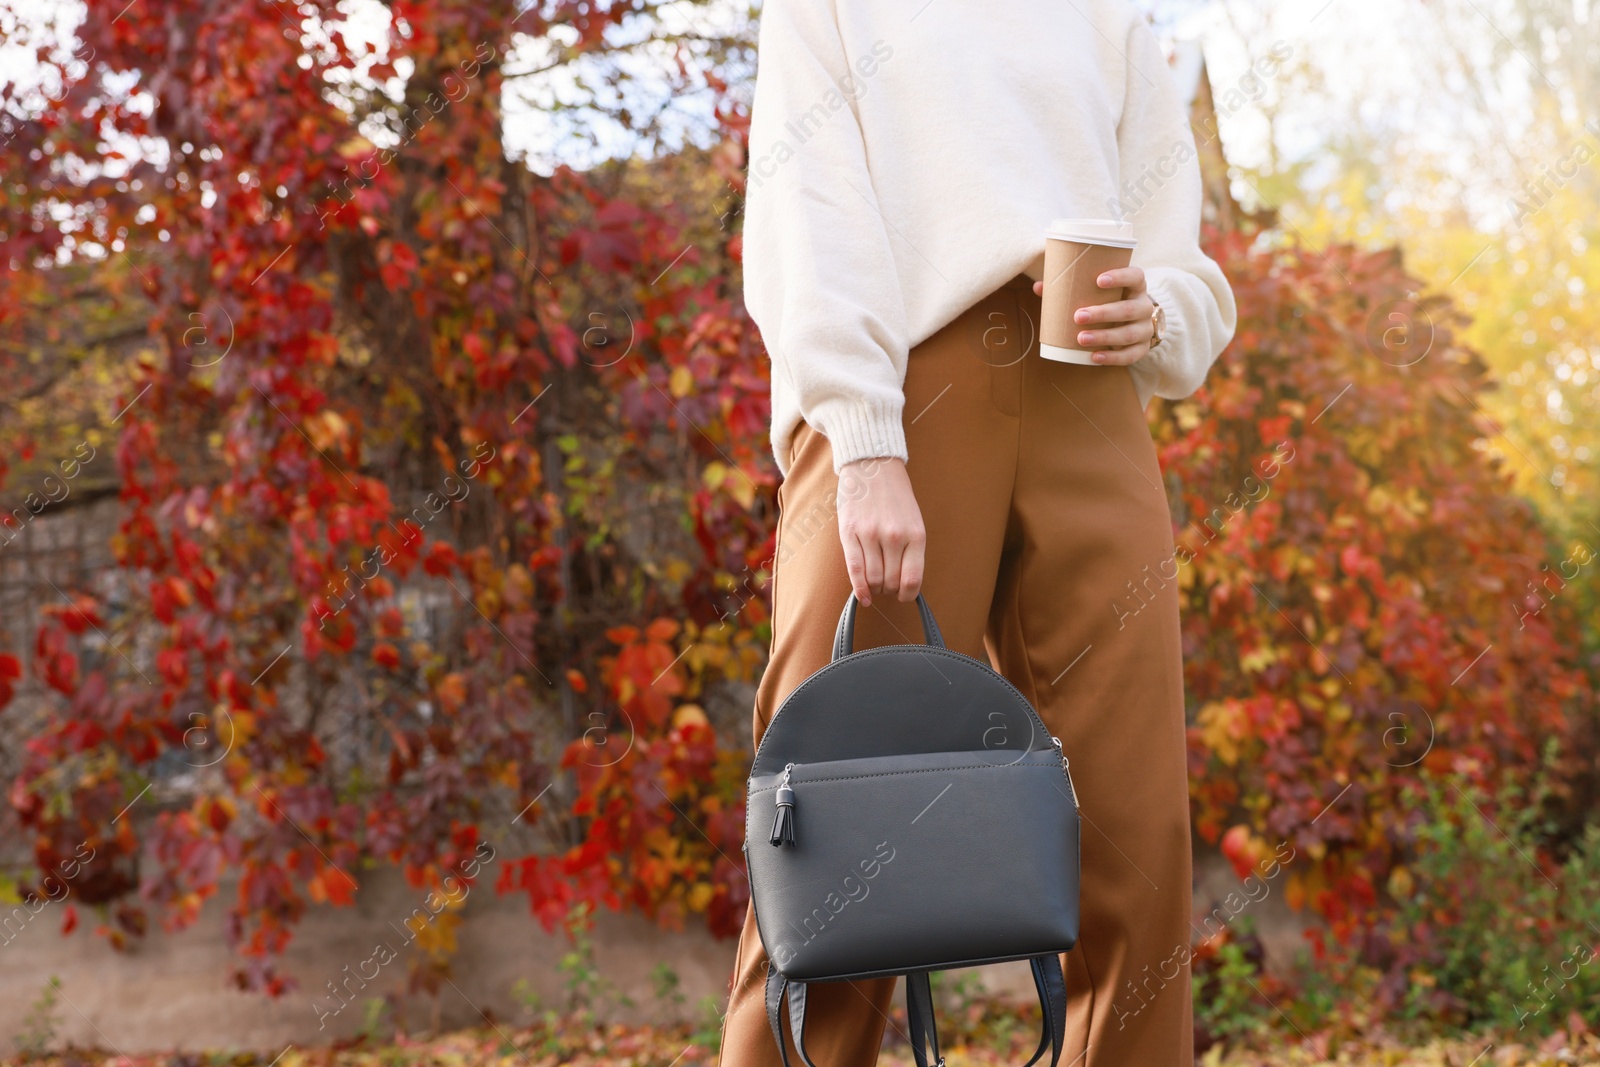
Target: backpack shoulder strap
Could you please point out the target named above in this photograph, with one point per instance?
(777, 988)
(919, 1015)
(1051, 985)
(1048, 981)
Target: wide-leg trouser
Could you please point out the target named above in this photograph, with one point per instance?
(1050, 552)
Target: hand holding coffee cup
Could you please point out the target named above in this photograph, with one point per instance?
(1096, 310)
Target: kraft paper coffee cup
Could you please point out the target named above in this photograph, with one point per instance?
(1076, 252)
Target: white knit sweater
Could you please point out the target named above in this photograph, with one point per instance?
(905, 158)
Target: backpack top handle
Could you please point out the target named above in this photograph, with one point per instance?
(844, 638)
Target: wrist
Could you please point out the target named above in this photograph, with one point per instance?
(868, 465)
(859, 429)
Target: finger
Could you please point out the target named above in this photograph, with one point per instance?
(893, 549)
(912, 565)
(854, 563)
(1121, 357)
(1131, 278)
(1115, 336)
(1038, 288)
(1117, 311)
(872, 560)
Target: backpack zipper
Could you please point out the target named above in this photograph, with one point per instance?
(1066, 770)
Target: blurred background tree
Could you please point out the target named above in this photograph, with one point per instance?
(1464, 133)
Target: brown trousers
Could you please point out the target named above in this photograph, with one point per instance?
(1050, 554)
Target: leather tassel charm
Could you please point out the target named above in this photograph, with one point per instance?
(783, 822)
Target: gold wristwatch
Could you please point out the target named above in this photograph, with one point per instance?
(1158, 325)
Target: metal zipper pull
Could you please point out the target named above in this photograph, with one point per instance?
(783, 821)
(1066, 770)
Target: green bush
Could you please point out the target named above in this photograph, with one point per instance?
(1229, 1001)
(38, 1030)
(1493, 933)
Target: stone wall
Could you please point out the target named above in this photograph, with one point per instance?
(171, 991)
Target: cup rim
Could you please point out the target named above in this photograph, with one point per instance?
(1082, 231)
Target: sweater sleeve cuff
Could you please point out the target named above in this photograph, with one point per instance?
(1170, 369)
(859, 429)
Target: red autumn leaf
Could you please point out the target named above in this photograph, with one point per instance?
(174, 667)
(452, 692)
(662, 629)
(1236, 847)
(61, 672)
(441, 559)
(339, 886)
(10, 671)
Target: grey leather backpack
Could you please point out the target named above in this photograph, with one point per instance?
(908, 812)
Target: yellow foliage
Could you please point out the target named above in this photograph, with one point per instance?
(1220, 728)
(508, 775)
(718, 475)
(1258, 660)
(1527, 289)
(518, 587)
(743, 490)
(689, 714)
(1294, 893)
(437, 938)
(327, 429)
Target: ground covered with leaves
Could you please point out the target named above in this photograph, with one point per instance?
(620, 1046)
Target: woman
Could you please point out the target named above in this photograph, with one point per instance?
(905, 159)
